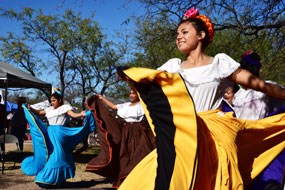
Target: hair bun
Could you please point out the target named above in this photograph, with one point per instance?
(209, 24)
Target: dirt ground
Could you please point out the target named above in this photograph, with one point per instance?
(13, 178)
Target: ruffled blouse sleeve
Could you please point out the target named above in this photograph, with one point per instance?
(171, 66)
(225, 65)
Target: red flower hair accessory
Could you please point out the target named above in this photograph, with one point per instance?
(194, 13)
(252, 58)
(248, 52)
(191, 13)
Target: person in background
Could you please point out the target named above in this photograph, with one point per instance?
(249, 103)
(58, 112)
(230, 92)
(253, 105)
(136, 139)
(198, 146)
(131, 111)
(53, 160)
(19, 122)
(2, 120)
(227, 104)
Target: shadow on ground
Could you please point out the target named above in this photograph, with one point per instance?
(87, 184)
(81, 155)
(13, 178)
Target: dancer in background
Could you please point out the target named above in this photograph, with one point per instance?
(253, 105)
(134, 143)
(53, 162)
(249, 103)
(227, 104)
(57, 113)
(198, 146)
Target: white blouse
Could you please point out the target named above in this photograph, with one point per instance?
(57, 116)
(249, 104)
(206, 84)
(130, 113)
(253, 105)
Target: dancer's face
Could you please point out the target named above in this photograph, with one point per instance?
(133, 96)
(55, 102)
(229, 94)
(187, 38)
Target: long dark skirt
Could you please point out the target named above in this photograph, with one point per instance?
(123, 144)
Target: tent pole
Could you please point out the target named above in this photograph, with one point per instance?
(5, 127)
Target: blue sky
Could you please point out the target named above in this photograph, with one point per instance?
(110, 14)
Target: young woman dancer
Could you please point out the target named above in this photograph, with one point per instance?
(198, 146)
(125, 138)
(53, 144)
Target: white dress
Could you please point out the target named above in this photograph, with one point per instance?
(252, 105)
(206, 84)
(130, 113)
(57, 116)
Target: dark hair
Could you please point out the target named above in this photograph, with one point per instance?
(200, 26)
(91, 99)
(233, 86)
(21, 100)
(58, 97)
(236, 88)
(251, 63)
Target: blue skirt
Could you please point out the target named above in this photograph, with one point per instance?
(53, 162)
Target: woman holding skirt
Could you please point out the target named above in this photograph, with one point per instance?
(199, 146)
(53, 144)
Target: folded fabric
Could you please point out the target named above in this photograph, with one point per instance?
(53, 162)
(205, 150)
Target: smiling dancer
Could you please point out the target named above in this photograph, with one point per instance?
(198, 146)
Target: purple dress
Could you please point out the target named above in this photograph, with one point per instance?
(273, 175)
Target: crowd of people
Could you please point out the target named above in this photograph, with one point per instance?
(175, 132)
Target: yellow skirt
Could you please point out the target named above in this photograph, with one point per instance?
(208, 150)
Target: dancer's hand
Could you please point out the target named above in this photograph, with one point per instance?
(83, 113)
(100, 96)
